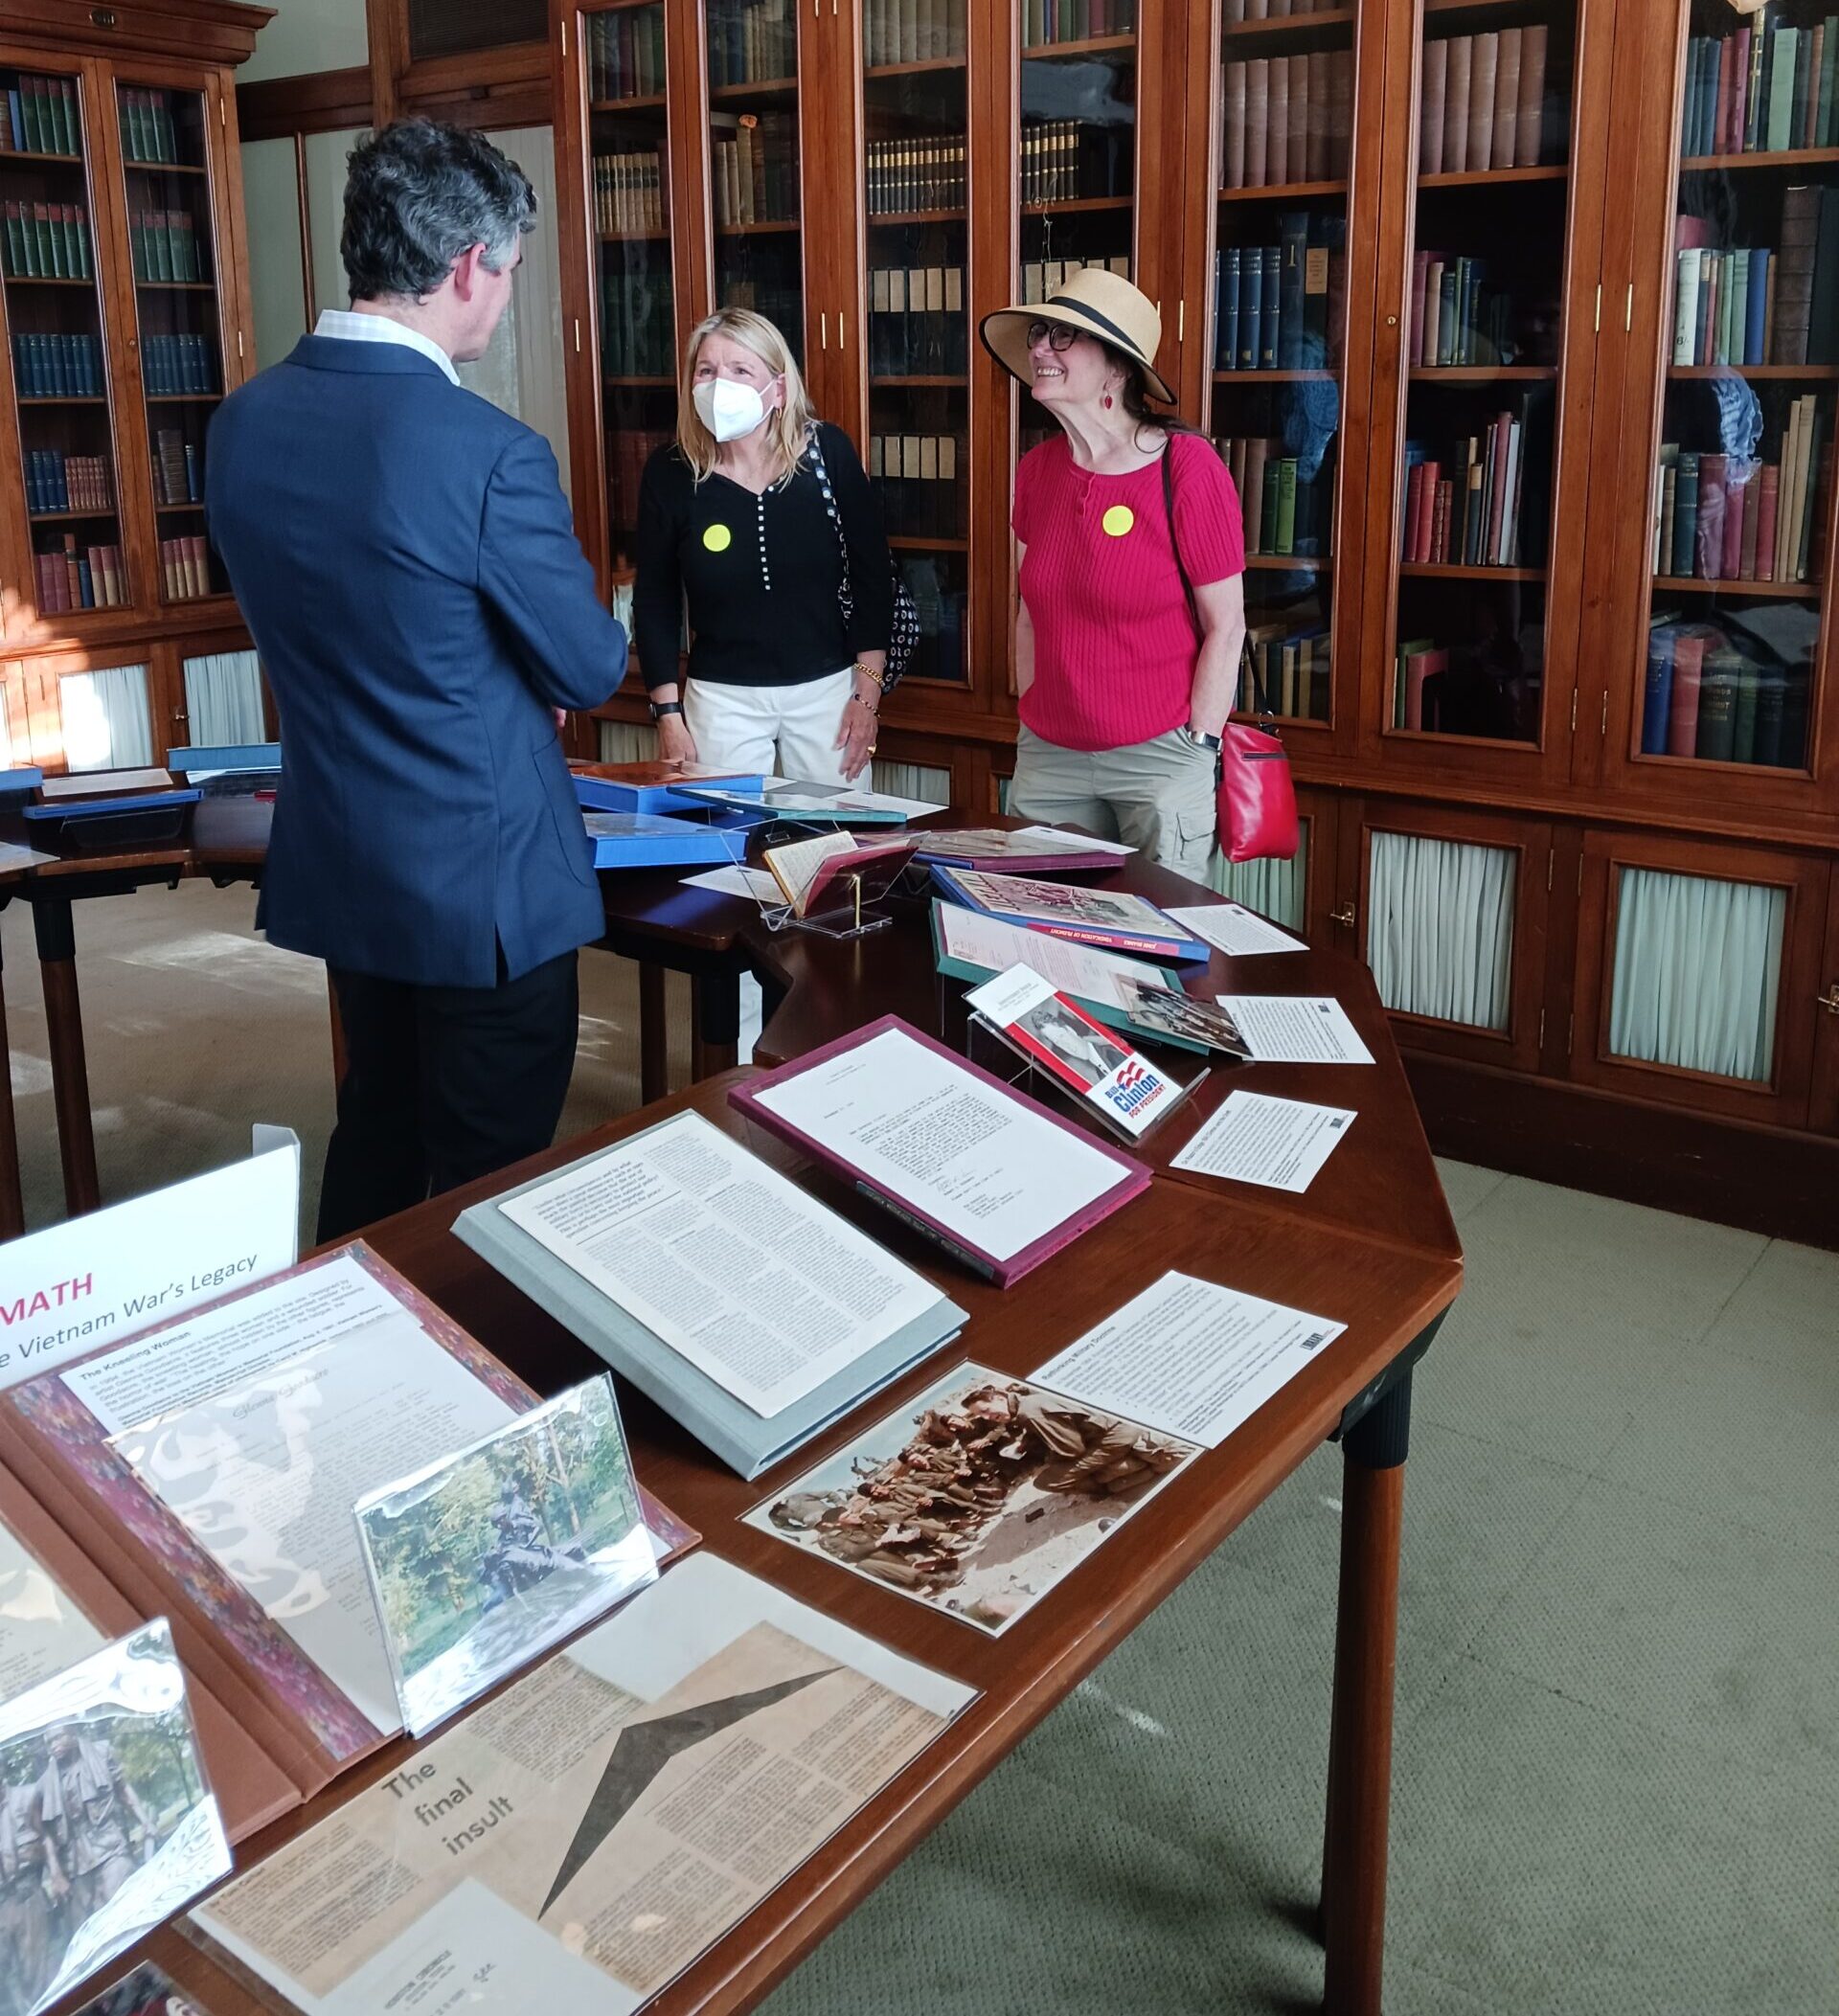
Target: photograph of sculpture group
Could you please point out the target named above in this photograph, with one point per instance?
(106, 1824)
(978, 1496)
(483, 1560)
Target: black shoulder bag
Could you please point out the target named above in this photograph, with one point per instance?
(903, 637)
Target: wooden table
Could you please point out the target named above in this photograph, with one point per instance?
(1370, 1243)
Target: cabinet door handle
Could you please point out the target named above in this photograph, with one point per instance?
(823, 332)
(1345, 917)
(1829, 1000)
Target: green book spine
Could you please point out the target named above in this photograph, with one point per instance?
(47, 249)
(160, 244)
(86, 269)
(69, 232)
(29, 103)
(169, 139)
(1781, 47)
(136, 244)
(1744, 734)
(1269, 515)
(1828, 56)
(73, 124)
(16, 246)
(1718, 708)
(1285, 506)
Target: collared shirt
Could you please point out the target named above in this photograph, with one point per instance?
(353, 328)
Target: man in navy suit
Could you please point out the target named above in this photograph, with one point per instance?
(404, 558)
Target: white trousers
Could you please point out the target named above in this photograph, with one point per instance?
(777, 731)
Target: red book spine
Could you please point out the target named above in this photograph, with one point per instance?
(1735, 488)
(1682, 720)
(1708, 546)
(1767, 494)
(1414, 508)
(1726, 84)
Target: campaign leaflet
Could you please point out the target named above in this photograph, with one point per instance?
(1058, 1034)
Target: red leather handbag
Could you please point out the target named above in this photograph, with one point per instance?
(1256, 799)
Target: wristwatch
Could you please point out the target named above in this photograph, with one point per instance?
(661, 708)
(1202, 740)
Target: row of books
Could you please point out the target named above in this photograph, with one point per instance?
(1726, 518)
(1469, 516)
(921, 496)
(1483, 101)
(624, 53)
(1286, 512)
(1421, 667)
(1044, 278)
(148, 133)
(68, 577)
(48, 242)
(1294, 670)
(57, 366)
(1286, 119)
(57, 482)
(1758, 304)
(42, 117)
(628, 191)
(780, 300)
(173, 365)
(1704, 698)
(913, 31)
(755, 174)
(1457, 316)
(164, 244)
(1046, 22)
(185, 568)
(178, 468)
(1275, 304)
(638, 328)
(906, 175)
(628, 451)
(1237, 11)
(1066, 159)
(1761, 90)
(917, 323)
(751, 40)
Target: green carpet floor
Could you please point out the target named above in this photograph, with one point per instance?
(1617, 1768)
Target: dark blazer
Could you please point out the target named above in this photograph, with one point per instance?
(403, 556)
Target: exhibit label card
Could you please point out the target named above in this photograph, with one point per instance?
(1191, 1357)
(579, 1841)
(977, 1497)
(483, 1560)
(275, 1414)
(1254, 1137)
(1296, 1029)
(101, 1790)
(1235, 930)
(730, 1263)
(42, 1630)
(77, 1286)
(993, 1170)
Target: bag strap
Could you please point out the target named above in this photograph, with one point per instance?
(845, 593)
(1248, 658)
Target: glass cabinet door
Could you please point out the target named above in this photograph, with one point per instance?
(754, 161)
(1483, 336)
(1078, 152)
(1279, 341)
(916, 137)
(57, 338)
(1740, 536)
(171, 246)
(630, 225)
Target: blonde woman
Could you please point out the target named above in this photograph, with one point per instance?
(738, 521)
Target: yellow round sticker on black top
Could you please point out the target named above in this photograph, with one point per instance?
(1118, 520)
(718, 538)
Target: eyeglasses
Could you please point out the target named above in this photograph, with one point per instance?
(1060, 337)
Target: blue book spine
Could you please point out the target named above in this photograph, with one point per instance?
(1251, 306)
(1229, 310)
(62, 469)
(1267, 342)
(1659, 700)
(87, 583)
(17, 117)
(1757, 317)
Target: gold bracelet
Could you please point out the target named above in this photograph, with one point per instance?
(867, 671)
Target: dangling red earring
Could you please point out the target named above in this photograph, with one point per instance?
(1107, 402)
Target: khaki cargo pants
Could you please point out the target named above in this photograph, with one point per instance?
(1155, 796)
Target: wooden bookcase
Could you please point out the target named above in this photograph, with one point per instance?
(125, 314)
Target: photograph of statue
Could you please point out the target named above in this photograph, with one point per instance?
(105, 1824)
(1162, 1010)
(1071, 1045)
(979, 1497)
(488, 1557)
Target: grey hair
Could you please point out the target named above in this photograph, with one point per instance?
(417, 195)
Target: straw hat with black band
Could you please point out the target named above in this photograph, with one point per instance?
(1096, 302)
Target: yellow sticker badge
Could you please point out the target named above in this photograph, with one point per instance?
(1118, 520)
(718, 538)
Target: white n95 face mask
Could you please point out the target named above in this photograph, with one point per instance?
(729, 409)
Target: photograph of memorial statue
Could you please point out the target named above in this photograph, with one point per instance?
(1071, 1045)
(489, 1556)
(106, 1825)
(979, 1497)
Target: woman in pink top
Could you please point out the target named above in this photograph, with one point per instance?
(1123, 685)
